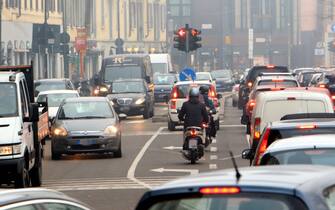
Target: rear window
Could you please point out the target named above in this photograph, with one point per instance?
(276, 134)
(303, 156)
(274, 110)
(255, 71)
(285, 83)
(183, 90)
(330, 79)
(245, 201)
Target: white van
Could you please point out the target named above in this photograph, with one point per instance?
(273, 105)
(161, 63)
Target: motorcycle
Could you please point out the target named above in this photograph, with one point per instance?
(193, 144)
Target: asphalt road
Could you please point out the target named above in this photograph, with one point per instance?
(151, 156)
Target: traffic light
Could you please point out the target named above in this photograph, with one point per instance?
(180, 39)
(194, 39)
(331, 46)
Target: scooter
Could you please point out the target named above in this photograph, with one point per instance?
(194, 143)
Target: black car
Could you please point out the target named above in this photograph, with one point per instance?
(52, 84)
(223, 79)
(132, 97)
(327, 80)
(85, 125)
(249, 80)
(163, 85)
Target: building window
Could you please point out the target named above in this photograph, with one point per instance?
(186, 11)
(174, 11)
(151, 18)
(102, 14)
(31, 4)
(37, 5)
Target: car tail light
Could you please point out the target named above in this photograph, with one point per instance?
(263, 145)
(220, 190)
(322, 85)
(333, 97)
(251, 105)
(270, 66)
(173, 104)
(276, 89)
(257, 128)
(193, 132)
(212, 96)
(306, 127)
(277, 80)
(174, 93)
(204, 125)
(249, 84)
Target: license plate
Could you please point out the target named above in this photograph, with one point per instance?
(86, 142)
(192, 143)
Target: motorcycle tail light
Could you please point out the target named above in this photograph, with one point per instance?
(193, 132)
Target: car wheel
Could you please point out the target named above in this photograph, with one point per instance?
(217, 124)
(171, 126)
(152, 112)
(55, 155)
(146, 114)
(118, 152)
(22, 179)
(36, 173)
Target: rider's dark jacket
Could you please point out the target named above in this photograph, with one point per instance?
(193, 113)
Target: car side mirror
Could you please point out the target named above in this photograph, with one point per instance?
(219, 96)
(122, 116)
(247, 154)
(237, 81)
(147, 79)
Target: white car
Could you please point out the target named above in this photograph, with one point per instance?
(179, 95)
(204, 76)
(273, 105)
(313, 149)
(55, 98)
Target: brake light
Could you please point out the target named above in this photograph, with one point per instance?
(257, 128)
(291, 98)
(322, 85)
(204, 125)
(333, 97)
(220, 190)
(277, 80)
(173, 104)
(249, 84)
(174, 93)
(264, 143)
(252, 104)
(270, 66)
(305, 127)
(212, 95)
(275, 89)
(193, 132)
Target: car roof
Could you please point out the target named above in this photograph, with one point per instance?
(286, 179)
(200, 82)
(203, 73)
(20, 195)
(56, 91)
(303, 142)
(286, 124)
(85, 99)
(53, 80)
(270, 77)
(298, 94)
(129, 80)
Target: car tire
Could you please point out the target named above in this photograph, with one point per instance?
(36, 173)
(22, 179)
(118, 152)
(152, 113)
(171, 126)
(146, 114)
(55, 155)
(217, 124)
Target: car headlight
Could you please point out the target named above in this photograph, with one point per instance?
(60, 131)
(103, 89)
(140, 101)
(10, 150)
(111, 130)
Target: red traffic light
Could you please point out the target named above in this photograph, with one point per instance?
(195, 32)
(181, 32)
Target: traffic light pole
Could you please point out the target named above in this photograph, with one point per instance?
(187, 44)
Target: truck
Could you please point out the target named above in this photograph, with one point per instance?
(23, 128)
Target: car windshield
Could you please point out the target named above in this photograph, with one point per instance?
(183, 90)
(85, 110)
(164, 79)
(306, 77)
(203, 77)
(303, 156)
(159, 67)
(128, 87)
(330, 79)
(237, 202)
(285, 83)
(221, 74)
(8, 100)
(113, 73)
(45, 86)
(55, 99)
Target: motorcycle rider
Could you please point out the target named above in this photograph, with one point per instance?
(210, 106)
(192, 112)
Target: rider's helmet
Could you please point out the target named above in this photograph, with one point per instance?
(204, 89)
(194, 92)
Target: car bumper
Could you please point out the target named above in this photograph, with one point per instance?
(130, 110)
(72, 146)
(161, 97)
(10, 167)
(224, 87)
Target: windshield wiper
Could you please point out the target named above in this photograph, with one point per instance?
(67, 118)
(91, 117)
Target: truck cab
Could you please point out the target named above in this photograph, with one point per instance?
(21, 137)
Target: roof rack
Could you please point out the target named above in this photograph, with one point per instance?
(307, 116)
(276, 74)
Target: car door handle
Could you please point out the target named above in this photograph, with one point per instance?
(20, 132)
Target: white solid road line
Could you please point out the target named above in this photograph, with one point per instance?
(162, 170)
(213, 149)
(132, 169)
(229, 158)
(213, 157)
(213, 166)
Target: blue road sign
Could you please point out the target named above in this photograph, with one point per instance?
(333, 28)
(187, 74)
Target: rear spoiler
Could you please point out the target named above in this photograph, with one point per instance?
(308, 116)
(276, 74)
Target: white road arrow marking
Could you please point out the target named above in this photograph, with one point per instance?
(162, 170)
(173, 148)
